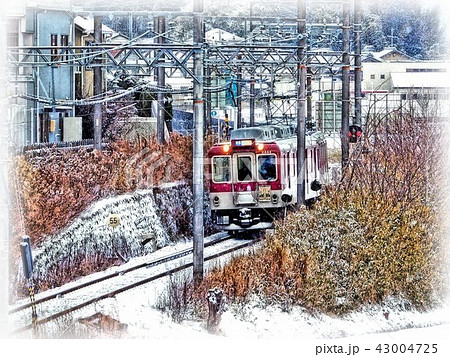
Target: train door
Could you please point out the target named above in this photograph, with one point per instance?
(317, 163)
(290, 169)
(309, 172)
(244, 178)
(287, 158)
(284, 169)
(294, 177)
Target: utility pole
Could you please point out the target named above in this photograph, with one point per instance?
(301, 99)
(252, 100)
(161, 74)
(98, 86)
(208, 124)
(309, 97)
(239, 96)
(345, 84)
(198, 143)
(358, 67)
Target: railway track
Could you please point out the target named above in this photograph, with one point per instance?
(67, 300)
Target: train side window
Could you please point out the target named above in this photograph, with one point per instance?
(221, 168)
(244, 166)
(267, 168)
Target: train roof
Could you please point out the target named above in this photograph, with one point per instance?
(262, 133)
(282, 135)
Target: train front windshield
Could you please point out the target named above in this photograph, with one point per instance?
(267, 169)
(221, 169)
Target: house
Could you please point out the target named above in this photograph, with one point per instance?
(388, 54)
(217, 36)
(84, 36)
(34, 114)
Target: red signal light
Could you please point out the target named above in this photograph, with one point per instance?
(354, 133)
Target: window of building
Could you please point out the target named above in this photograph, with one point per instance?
(441, 70)
(372, 76)
(382, 76)
(54, 43)
(65, 43)
(13, 35)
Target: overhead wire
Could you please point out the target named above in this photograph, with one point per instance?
(109, 96)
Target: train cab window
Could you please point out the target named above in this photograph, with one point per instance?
(244, 166)
(267, 169)
(221, 169)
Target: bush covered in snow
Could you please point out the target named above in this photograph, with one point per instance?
(342, 254)
(66, 195)
(56, 185)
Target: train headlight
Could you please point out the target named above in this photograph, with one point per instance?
(260, 146)
(274, 199)
(216, 201)
(226, 148)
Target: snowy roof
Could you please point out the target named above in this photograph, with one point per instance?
(420, 80)
(119, 38)
(87, 24)
(389, 53)
(219, 35)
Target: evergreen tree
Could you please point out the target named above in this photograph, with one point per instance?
(406, 25)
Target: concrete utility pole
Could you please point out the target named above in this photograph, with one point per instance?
(252, 101)
(198, 143)
(301, 100)
(239, 97)
(309, 97)
(98, 35)
(161, 29)
(358, 68)
(345, 83)
(208, 123)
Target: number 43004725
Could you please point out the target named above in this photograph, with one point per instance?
(411, 348)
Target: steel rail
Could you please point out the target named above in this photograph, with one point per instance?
(149, 264)
(133, 285)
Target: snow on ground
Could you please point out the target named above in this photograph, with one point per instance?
(253, 330)
(255, 322)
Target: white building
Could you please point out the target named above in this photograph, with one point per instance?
(422, 87)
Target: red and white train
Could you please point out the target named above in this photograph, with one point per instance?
(254, 175)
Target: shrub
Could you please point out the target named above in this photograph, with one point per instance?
(361, 251)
